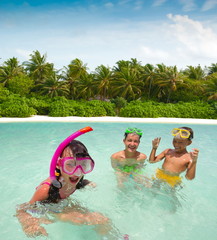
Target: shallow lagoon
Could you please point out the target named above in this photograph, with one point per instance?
(143, 213)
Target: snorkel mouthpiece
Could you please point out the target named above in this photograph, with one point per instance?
(59, 151)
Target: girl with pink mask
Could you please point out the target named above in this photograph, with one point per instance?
(70, 163)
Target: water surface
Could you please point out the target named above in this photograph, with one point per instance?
(143, 213)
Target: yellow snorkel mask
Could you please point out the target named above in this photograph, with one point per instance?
(183, 133)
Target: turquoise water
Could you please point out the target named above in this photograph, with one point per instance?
(143, 213)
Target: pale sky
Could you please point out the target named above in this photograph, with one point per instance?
(173, 32)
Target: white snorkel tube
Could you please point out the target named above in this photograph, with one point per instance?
(59, 151)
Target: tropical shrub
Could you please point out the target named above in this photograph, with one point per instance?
(140, 110)
(109, 108)
(96, 107)
(100, 108)
(4, 94)
(61, 109)
(119, 103)
(41, 106)
(196, 109)
(16, 107)
(184, 96)
(20, 85)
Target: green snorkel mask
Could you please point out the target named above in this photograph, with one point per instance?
(134, 130)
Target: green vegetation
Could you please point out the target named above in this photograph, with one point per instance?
(129, 89)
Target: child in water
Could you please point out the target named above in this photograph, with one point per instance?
(177, 160)
(129, 161)
(72, 165)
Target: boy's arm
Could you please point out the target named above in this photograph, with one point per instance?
(159, 157)
(152, 157)
(191, 171)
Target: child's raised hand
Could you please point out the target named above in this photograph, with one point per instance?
(194, 154)
(156, 142)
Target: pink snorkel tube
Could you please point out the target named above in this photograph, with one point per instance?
(59, 151)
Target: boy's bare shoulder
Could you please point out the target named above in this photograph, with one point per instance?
(142, 156)
(117, 155)
(168, 151)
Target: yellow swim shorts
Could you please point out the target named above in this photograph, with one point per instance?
(171, 180)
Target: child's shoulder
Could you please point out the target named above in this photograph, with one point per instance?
(41, 192)
(168, 151)
(46, 183)
(117, 155)
(142, 156)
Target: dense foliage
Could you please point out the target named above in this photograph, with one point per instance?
(129, 89)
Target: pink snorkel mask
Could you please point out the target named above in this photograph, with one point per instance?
(76, 166)
(59, 151)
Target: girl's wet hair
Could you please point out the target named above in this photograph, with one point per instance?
(78, 150)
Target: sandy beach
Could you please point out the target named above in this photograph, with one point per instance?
(109, 119)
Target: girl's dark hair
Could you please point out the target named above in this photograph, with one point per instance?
(79, 150)
(53, 193)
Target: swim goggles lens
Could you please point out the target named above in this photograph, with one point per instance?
(134, 130)
(183, 132)
(70, 165)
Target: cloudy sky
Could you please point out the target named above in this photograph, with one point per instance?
(173, 32)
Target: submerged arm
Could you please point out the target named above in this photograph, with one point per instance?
(31, 225)
(114, 161)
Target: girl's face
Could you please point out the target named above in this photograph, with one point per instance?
(72, 179)
(131, 142)
(77, 175)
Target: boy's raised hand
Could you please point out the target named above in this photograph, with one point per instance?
(156, 142)
(194, 154)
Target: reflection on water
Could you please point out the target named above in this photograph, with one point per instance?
(156, 194)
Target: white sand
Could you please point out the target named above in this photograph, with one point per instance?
(109, 119)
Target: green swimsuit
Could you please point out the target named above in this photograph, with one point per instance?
(130, 169)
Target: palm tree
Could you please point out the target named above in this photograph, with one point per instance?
(103, 77)
(196, 73)
(148, 75)
(212, 69)
(9, 70)
(54, 86)
(85, 86)
(72, 74)
(126, 84)
(120, 65)
(37, 67)
(167, 79)
(211, 86)
(135, 65)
